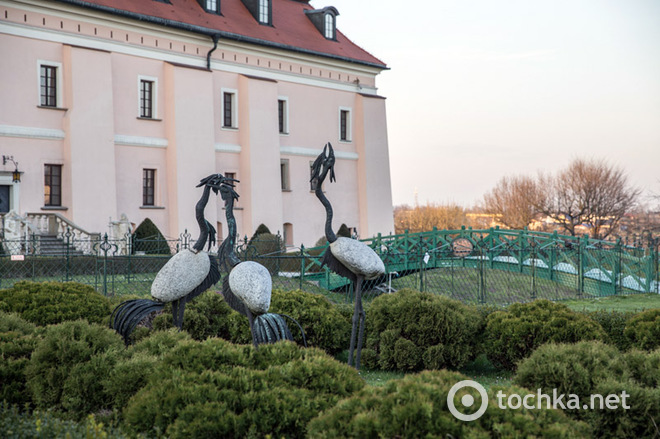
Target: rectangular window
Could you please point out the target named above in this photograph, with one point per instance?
(48, 86)
(283, 116)
(264, 6)
(345, 125)
(229, 119)
(148, 187)
(284, 174)
(52, 185)
(146, 98)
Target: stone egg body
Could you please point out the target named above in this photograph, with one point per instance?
(251, 282)
(358, 257)
(180, 275)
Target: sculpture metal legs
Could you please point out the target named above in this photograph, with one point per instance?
(359, 317)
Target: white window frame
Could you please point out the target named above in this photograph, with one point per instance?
(286, 115)
(349, 123)
(208, 6)
(58, 83)
(234, 108)
(329, 21)
(263, 11)
(154, 98)
(285, 177)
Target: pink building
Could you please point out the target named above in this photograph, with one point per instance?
(119, 107)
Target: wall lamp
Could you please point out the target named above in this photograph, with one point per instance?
(16, 175)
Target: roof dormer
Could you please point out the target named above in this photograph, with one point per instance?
(325, 21)
(211, 6)
(261, 10)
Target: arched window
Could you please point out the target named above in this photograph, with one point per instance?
(329, 26)
(264, 6)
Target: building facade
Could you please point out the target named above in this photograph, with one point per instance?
(118, 107)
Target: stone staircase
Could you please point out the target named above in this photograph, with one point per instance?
(51, 245)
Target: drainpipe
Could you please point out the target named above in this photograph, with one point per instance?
(215, 37)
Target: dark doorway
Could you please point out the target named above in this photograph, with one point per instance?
(4, 198)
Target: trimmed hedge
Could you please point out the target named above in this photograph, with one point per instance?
(18, 338)
(325, 326)
(513, 334)
(643, 330)
(416, 406)
(614, 324)
(217, 389)
(68, 365)
(147, 238)
(410, 331)
(45, 303)
(590, 368)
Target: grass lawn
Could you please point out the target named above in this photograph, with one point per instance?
(633, 302)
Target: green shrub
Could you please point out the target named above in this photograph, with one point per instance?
(68, 365)
(640, 420)
(410, 330)
(614, 324)
(569, 368)
(46, 303)
(18, 338)
(217, 389)
(513, 334)
(147, 238)
(593, 368)
(210, 316)
(324, 325)
(416, 406)
(261, 230)
(643, 330)
(344, 231)
(38, 424)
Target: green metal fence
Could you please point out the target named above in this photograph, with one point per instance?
(475, 266)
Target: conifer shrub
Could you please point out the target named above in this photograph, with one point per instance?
(614, 325)
(324, 325)
(593, 368)
(514, 333)
(45, 303)
(216, 389)
(416, 406)
(210, 316)
(643, 330)
(18, 338)
(410, 331)
(148, 239)
(261, 230)
(68, 365)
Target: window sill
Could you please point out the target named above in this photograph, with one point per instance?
(346, 141)
(48, 107)
(152, 207)
(62, 208)
(153, 119)
(229, 128)
(286, 133)
(287, 190)
(235, 208)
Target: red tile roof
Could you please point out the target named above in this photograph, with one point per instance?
(291, 29)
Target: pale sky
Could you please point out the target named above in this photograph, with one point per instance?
(480, 89)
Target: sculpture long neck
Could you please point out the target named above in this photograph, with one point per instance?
(199, 214)
(230, 242)
(329, 234)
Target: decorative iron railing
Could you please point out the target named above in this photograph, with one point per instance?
(490, 266)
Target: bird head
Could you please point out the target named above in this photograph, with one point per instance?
(219, 182)
(323, 164)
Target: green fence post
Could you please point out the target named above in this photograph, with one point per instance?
(302, 265)
(482, 274)
(532, 260)
(617, 267)
(580, 264)
(67, 235)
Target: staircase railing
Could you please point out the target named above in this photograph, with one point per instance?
(64, 229)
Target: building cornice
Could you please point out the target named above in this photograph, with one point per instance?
(31, 132)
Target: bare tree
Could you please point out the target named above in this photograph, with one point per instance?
(513, 200)
(425, 218)
(591, 193)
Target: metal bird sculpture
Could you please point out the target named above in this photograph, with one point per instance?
(185, 276)
(347, 257)
(248, 287)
